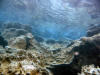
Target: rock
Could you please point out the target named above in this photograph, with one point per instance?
(50, 41)
(21, 42)
(92, 40)
(39, 39)
(87, 52)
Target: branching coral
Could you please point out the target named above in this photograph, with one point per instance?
(23, 63)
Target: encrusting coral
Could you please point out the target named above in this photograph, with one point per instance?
(23, 63)
(90, 70)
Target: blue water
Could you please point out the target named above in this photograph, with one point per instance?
(49, 18)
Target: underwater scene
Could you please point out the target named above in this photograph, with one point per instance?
(49, 37)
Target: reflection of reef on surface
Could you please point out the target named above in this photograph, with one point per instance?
(93, 29)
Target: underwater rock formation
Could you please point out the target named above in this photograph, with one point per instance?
(85, 53)
(50, 61)
(56, 45)
(22, 42)
(90, 70)
(95, 40)
(19, 64)
(93, 30)
(39, 39)
(31, 55)
(39, 60)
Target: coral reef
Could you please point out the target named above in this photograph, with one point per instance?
(22, 42)
(90, 70)
(40, 58)
(23, 62)
(56, 45)
(27, 54)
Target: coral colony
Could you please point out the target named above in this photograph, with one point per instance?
(49, 37)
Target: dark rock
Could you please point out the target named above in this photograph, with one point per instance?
(3, 42)
(63, 69)
(39, 39)
(50, 41)
(88, 54)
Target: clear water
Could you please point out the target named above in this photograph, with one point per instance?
(52, 18)
(56, 43)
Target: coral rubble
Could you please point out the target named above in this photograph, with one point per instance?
(90, 70)
(22, 62)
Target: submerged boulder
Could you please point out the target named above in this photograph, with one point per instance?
(22, 42)
(95, 40)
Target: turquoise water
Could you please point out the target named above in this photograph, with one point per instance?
(51, 19)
